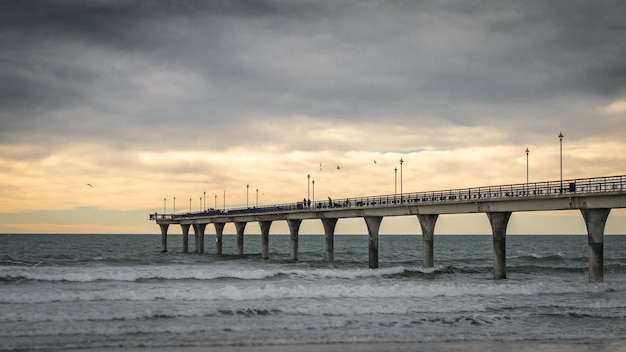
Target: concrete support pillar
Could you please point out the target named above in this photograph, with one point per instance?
(219, 231)
(499, 222)
(164, 237)
(595, 219)
(198, 229)
(265, 238)
(329, 238)
(185, 237)
(196, 240)
(373, 225)
(427, 223)
(294, 229)
(240, 227)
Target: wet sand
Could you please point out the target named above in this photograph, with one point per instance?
(560, 346)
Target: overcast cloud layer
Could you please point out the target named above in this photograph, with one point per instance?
(172, 97)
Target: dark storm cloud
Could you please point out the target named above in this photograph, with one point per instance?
(108, 68)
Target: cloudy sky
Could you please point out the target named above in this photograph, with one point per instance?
(151, 100)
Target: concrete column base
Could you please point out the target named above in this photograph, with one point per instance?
(185, 228)
(595, 220)
(164, 237)
(240, 227)
(427, 223)
(198, 229)
(329, 238)
(219, 230)
(294, 229)
(373, 225)
(265, 238)
(499, 222)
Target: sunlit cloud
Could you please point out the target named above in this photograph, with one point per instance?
(218, 100)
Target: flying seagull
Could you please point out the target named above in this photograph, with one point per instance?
(90, 185)
(338, 167)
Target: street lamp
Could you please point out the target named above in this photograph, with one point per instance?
(164, 201)
(257, 197)
(308, 185)
(247, 196)
(527, 151)
(200, 205)
(215, 206)
(190, 205)
(313, 192)
(401, 162)
(395, 181)
(174, 205)
(204, 194)
(561, 158)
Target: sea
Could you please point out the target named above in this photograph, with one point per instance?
(119, 292)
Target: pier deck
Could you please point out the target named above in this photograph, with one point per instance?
(594, 197)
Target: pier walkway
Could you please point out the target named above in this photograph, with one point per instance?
(594, 197)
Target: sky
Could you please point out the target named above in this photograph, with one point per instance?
(111, 109)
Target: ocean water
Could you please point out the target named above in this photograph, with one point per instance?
(60, 292)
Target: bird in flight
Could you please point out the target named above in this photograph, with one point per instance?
(338, 167)
(90, 185)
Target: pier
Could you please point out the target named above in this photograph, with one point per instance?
(593, 197)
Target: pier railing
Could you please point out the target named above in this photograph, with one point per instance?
(559, 188)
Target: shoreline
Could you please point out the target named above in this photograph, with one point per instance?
(465, 346)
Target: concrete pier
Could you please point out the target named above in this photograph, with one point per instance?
(265, 238)
(294, 229)
(595, 220)
(185, 228)
(499, 222)
(240, 227)
(219, 231)
(329, 238)
(164, 237)
(594, 197)
(373, 225)
(427, 223)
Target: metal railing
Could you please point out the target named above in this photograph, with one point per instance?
(608, 184)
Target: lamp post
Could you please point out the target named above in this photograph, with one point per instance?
(190, 205)
(395, 181)
(164, 201)
(200, 206)
(174, 205)
(204, 194)
(257, 197)
(561, 158)
(308, 187)
(224, 200)
(215, 206)
(401, 162)
(527, 151)
(313, 192)
(247, 196)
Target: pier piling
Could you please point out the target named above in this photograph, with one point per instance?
(427, 223)
(240, 227)
(294, 228)
(219, 231)
(185, 228)
(373, 225)
(499, 222)
(329, 238)
(595, 220)
(265, 238)
(164, 237)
